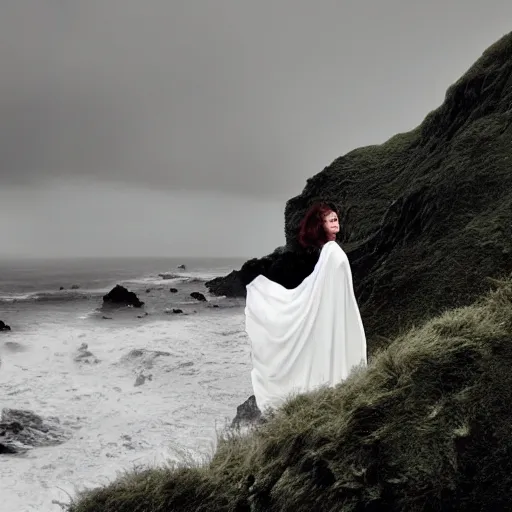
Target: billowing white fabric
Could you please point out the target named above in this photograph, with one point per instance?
(306, 337)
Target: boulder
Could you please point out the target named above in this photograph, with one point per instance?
(120, 296)
(21, 430)
(246, 413)
(198, 296)
(4, 326)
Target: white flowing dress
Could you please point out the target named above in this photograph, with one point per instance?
(306, 337)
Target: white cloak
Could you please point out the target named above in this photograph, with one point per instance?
(306, 337)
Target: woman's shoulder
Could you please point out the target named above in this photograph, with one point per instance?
(334, 247)
(332, 244)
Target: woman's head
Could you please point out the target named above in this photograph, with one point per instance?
(319, 226)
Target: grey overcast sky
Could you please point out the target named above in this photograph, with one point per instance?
(180, 127)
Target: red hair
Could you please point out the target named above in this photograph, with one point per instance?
(311, 230)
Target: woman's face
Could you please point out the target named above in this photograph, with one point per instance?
(331, 225)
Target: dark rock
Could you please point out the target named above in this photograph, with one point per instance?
(288, 268)
(181, 267)
(148, 290)
(232, 285)
(6, 448)
(246, 413)
(177, 310)
(75, 287)
(119, 295)
(21, 430)
(198, 296)
(173, 290)
(426, 217)
(4, 326)
(62, 288)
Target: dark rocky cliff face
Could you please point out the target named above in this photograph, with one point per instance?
(425, 217)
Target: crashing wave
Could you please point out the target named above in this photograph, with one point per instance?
(49, 296)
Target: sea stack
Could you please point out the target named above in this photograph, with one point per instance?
(120, 296)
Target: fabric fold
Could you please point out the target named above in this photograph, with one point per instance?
(305, 337)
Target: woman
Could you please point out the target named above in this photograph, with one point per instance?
(311, 335)
(319, 226)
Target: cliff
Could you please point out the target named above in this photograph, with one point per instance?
(425, 217)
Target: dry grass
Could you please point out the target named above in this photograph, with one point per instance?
(427, 426)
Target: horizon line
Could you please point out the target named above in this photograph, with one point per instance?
(117, 257)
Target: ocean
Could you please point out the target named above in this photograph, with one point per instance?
(157, 388)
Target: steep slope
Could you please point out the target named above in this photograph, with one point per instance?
(426, 216)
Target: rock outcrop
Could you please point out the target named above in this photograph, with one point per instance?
(120, 296)
(289, 268)
(247, 413)
(198, 296)
(426, 217)
(22, 430)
